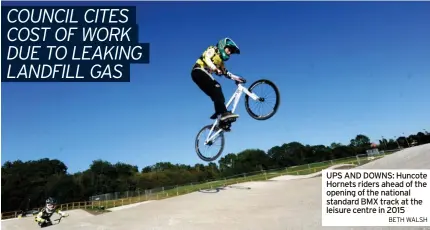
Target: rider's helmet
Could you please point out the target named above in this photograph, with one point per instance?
(227, 43)
(50, 204)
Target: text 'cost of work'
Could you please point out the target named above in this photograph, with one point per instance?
(375, 197)
(65, 44)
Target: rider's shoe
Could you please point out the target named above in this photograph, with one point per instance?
(227, 129)
(214, 116)
(228, 116)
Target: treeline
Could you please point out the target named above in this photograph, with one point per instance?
(26, 185)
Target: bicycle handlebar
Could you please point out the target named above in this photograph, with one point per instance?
(232, 76)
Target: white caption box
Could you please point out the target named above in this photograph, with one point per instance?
(376, 197)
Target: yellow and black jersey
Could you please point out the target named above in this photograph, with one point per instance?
(210, 60)
(45, 215)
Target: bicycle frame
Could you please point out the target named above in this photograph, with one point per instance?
(235, 100)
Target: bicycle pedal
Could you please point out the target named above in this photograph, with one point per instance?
(227, 128)
(230, 120)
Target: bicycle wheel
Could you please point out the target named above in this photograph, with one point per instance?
(258, 87)
(200, 143)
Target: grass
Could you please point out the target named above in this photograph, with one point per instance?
(94, 207)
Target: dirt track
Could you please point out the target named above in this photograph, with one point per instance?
(271, 205)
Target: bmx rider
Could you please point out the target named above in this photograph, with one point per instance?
(43, 218)
(212, 61)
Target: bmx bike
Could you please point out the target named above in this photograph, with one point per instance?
(217, 129)
(51, 222)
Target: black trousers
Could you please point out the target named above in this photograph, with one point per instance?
(211, 88)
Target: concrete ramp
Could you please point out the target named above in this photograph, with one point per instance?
(417, 157)
(293, 177)
(128, 206)
(78, 214)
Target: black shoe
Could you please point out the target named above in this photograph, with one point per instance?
(214, 116)
(229, 116)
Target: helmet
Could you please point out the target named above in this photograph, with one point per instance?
(224, 43)
(50, 204)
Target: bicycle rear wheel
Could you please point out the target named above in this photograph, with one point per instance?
(201, 146)
(260, 88)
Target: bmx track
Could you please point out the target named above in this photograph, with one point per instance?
(283, 203)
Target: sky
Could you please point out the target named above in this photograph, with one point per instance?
(342, 68)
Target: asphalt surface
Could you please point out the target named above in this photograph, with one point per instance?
(278, 204)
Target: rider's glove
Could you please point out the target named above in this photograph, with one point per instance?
(218, 72)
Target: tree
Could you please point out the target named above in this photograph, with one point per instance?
(360, 141)
(335, 145)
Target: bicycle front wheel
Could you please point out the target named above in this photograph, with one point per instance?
(269, 99)
(217, 145)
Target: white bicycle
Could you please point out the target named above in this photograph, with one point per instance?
(217, 129)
